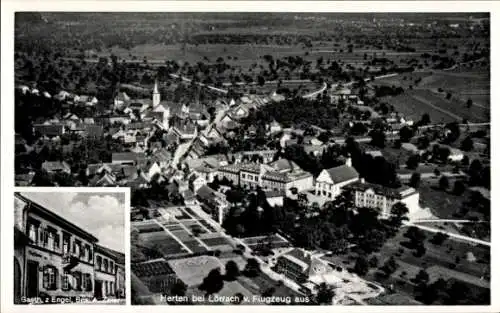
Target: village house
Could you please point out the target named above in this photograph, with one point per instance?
(274, 198)
(213, 202)
(128, 158)
(274, 127)
(54, 167)
(383, 198)
(196, 182)
(330, 181)
(302, 266)
(49, 130)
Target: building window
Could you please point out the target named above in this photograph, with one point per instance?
(49, 278)
(111, 267)
(89, 253)
(66, 243)
(243, 175)
(84, 282)
(50, 240)
(99, 262)
(77, 248)
(88, 283)
(65, 281)
(56, 241)
(78, 278)
(105, 265)
(32, 232)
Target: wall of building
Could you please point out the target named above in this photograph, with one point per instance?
(120, 281)
(105, 275)
(234, 177)
(331, 191)
(249, 179)
(412, 202)
(302, 184)
(45, 259)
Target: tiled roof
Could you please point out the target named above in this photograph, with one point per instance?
(342, 173)
(128, 156)
(55, 166)
(284, 165)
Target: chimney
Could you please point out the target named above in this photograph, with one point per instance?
(362, 180)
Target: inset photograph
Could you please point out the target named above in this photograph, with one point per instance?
(69, 247)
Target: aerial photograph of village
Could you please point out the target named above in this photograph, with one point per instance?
(272, 158)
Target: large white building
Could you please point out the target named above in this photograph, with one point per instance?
(282, 175)
(383, 198)
(330, 181)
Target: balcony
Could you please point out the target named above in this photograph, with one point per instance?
(69, 261)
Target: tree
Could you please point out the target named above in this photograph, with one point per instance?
(390, 266)
(448, 96)
(425, 120)
(422, 277)
(373, 261)
(261, 80)
(415, 180)
(362, 266)
(325, 294)
(413, 161)
(444, 183)
(467, 144)
(423, 142)
(454, 131)
(378, 138)
(469, 103)
(416, 236)
(458, 188)
(252, 269)
(178, 289)
(399, 212)
(439, 238)
(437, 172)
(213, 282)
(405, 134)
(232, 270)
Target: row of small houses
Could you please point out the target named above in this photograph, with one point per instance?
(63, 95)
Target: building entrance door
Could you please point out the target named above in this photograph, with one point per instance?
(32, 279)
(98, 289)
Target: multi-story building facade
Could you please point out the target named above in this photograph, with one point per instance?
(330, 182)
(268, 176)
(383, 198)
(53, 257)
(105, 273)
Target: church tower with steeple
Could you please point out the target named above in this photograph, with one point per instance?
(156, 95)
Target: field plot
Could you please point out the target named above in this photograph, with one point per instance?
(414, 103)
(276, 241)
(217, 242)
(163, 243)
(151, 268)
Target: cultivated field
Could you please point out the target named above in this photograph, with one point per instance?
(414, 103)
